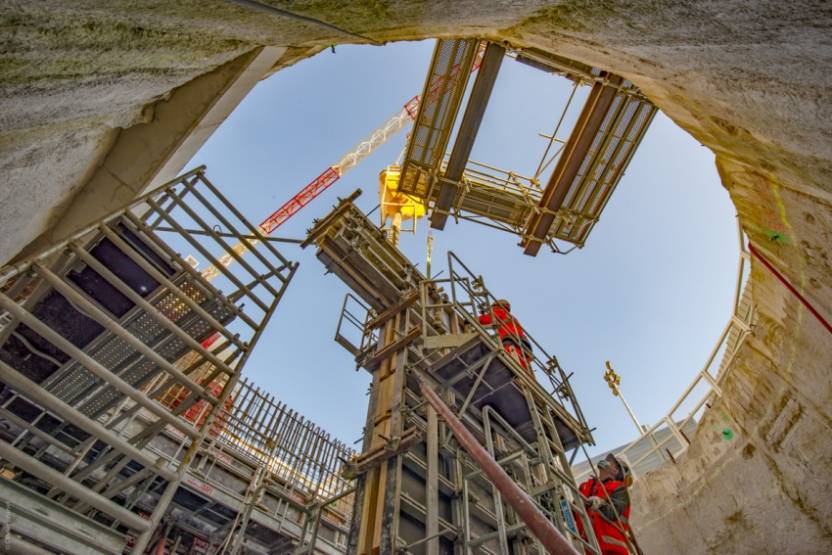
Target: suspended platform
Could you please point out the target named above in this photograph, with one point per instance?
(589, 167)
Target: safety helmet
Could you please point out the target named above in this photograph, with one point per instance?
(624, 473)
(503, 303)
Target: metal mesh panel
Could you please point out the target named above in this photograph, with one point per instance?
(447, 78)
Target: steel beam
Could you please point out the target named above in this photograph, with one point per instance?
(45, 399)
(575, 151)
(32, 515)
(73, 488)
(467, 133)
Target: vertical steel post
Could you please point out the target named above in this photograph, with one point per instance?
(432, 483)
(531, 515)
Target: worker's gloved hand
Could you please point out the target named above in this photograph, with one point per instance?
(594, 502)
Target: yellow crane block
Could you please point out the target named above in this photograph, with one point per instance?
(395, 205)
(392, 201)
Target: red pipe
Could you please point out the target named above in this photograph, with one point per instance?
(531, 515)
(789, 286)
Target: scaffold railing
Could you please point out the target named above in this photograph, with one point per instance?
(705, 387)
(472, 299)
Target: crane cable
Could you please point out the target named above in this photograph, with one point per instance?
(273, 10)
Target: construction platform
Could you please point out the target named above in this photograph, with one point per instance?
(589, 165)
(418, 491)
(123, 420)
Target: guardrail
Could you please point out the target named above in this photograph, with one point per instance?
(693, 399)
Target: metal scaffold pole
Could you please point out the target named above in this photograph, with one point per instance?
(614, 382)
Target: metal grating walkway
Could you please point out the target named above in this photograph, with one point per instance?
(447, 79)
(606, 135)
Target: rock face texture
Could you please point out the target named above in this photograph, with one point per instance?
(750, 80)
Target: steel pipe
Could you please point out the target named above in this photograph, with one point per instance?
(18, 546)
(529, 513)
(788, 285)
(33, 391)
(209, 257)
(73, 488)
(95, 367)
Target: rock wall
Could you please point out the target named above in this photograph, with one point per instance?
(761, 490)
(750, 80)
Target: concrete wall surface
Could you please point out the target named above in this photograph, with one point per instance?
(750, 80)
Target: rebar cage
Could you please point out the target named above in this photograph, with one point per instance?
(98, 330)
(267, 479)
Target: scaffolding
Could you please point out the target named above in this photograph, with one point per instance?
(120, 403)
(418, 490)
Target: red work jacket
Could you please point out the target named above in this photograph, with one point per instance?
(507, 325)
(610, 537)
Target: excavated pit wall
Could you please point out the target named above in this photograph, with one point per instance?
(750, 80)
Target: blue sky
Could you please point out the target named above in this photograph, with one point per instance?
(651, 290)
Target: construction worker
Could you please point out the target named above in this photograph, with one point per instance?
(608, 505)
(509, 331)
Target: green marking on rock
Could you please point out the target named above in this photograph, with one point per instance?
(727, 434)
(776, 236)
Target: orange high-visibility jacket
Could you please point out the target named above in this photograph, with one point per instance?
(507, 325)
(608, 530)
